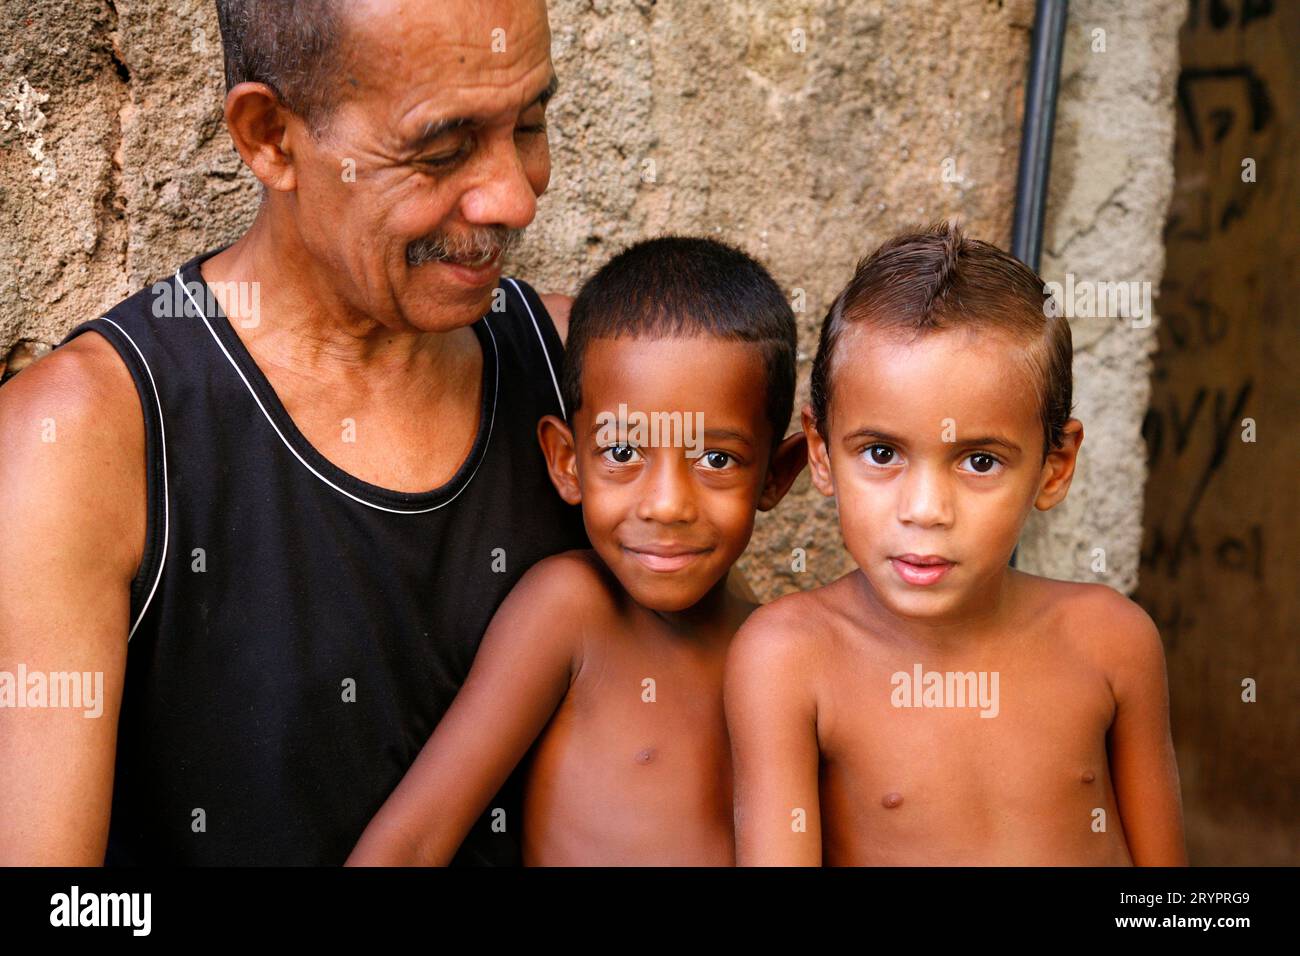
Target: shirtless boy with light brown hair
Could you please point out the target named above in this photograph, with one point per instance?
(936, 706)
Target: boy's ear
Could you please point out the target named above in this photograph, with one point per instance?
(819, 459)
(1058, 469)
(561, 457)
(788, 460)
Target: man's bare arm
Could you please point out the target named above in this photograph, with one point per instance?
(522, 671)
(1143, 765)
(772, 721)
(73, 468)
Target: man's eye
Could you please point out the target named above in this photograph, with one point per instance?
(982, 463)
(717, 460)
(880, 454)
(447, 159)
(532, 129)
(620, 454)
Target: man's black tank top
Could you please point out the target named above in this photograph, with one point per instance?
(296, 633)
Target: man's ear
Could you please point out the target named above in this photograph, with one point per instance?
(1058, 469)
(819, 459)
(259, 124)
(788, 460)
(561, 457)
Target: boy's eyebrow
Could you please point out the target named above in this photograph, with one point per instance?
(872, 433)
(433, 130)
(985, 440)
(714, 434)
(722, 433)
(989, 440)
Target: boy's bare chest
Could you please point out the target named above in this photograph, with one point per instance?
(972, 751)
(634, 766)
(653, 706)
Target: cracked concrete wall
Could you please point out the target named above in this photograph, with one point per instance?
(1220, 556)
(806, 131)
(1111, 181)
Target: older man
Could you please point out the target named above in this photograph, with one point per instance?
(276, 497)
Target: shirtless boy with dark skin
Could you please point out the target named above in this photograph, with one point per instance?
(940, 419)
(608, 663)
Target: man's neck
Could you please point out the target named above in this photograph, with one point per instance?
(328, 365)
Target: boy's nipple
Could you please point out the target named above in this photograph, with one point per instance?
(645, 755)
(891, 800)
(1088, 776)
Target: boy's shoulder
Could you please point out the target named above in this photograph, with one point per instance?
(574, 578)
(793, 627)
(1100, 621)
(1082, 602)
(572, 586)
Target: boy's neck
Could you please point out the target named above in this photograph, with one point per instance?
(718, 614)
(986, 616)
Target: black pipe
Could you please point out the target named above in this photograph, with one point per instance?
(1036, 135)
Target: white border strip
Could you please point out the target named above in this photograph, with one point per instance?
(370, 504)
(545, 352)
(162, 431)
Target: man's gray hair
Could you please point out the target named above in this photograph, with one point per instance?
(293, 46)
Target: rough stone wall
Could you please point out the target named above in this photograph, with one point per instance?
(806, 131)
(1110, 185)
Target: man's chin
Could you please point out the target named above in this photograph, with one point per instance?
(448, 299)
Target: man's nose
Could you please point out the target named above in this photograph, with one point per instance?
(667, 496)
(925, 499)
(502, 194)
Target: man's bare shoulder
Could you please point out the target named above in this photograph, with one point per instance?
(558, 306)
(75, 415)
(84, 379)
(73, 468)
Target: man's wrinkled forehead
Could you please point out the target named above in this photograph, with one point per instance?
(473, 55)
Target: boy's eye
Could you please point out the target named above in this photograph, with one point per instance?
(880, 454)
(620, 454)
(982, 463)
(717, 460)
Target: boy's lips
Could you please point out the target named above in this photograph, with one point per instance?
(664, 557)
(920, 569)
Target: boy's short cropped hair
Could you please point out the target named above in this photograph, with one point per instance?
(936, 279)
(681, 286)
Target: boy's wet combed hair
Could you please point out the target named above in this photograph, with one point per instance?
(678, 287)
(937, 279)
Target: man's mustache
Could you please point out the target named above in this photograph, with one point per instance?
(476, 246)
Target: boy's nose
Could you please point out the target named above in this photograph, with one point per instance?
(667, 498)
(924, 499)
